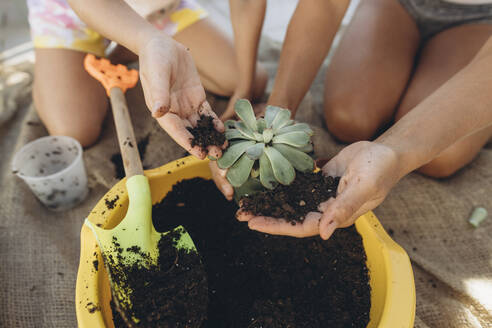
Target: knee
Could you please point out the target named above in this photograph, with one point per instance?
(349, 124)
(85, 133)
(441, 167)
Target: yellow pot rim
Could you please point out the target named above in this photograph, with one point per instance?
(391, 275)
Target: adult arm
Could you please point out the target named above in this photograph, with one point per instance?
(309, 37)
(247, 18)
(172, 87)
(369, 170)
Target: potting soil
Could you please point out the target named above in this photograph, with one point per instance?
(258, 280)
(171, 294)
(205, 134)
(294, 201)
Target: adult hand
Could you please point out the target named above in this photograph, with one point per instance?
(173, 92)
(219, 177)
(368, 171)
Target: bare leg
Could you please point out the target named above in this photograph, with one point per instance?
(68, 100)
(214, 57)
(441, 58)
(370, 70)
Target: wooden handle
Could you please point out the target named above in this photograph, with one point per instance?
(126, 137)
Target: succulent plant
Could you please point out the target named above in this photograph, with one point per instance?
(270, 149)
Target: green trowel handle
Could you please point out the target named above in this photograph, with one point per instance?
(124, 130)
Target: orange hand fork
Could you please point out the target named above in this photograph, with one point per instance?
(116, 79)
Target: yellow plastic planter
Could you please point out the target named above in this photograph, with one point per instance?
(391, 276)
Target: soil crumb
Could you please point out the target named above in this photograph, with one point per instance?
(258, 280)
(204, 134)
(294, 201)
(111, 203)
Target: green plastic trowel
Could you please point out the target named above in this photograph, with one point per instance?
(134, 240)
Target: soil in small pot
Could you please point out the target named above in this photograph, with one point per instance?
(258, 280)
(171, 294)
(294, 201)
(205, 134)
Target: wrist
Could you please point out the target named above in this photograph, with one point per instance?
(404, 154)
(146, 36)
(283, 100)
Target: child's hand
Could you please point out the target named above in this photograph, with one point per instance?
(219, 177)
(173, 91)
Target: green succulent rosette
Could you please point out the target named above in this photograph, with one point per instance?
(268, 149)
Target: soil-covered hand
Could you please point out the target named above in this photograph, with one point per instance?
(173, 91)
(368, 171)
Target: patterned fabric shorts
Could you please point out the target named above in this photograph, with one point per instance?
(434, 16)
(55, 25)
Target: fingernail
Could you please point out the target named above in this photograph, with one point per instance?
(157, 109)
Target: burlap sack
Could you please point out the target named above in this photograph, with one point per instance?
(39, 249)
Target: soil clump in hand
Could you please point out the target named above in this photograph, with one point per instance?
(205, 134)
(294, 201)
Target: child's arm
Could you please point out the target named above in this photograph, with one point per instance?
(172, 87)
(116, 21)
(309, 36)
(247, 21)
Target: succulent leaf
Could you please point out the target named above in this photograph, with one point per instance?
(270, 113)
(281, 120)
(276, 141)
(282, 169)
(245, 112)
(267, 178)
(296, 139)
(229, 124)
(296, 127)
(267, 135)
(247, 132)
(306, 149)
(239, 172)
(234, 134)
(299, 160)
(233, 153)
(258, 136)
(254, 152)
(261, 123)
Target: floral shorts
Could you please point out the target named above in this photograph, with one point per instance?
(55, 25)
